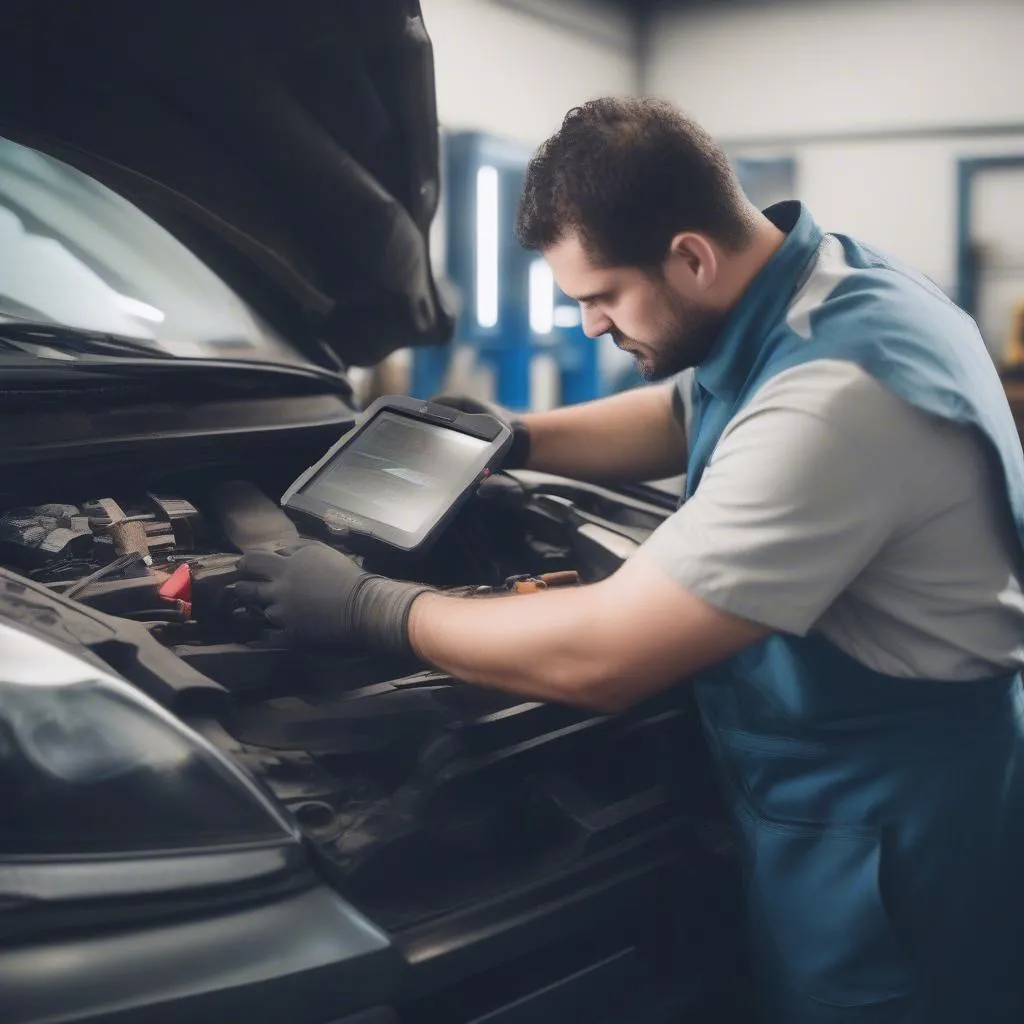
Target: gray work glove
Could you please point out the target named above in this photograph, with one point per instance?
(318, 595)
(518, 455)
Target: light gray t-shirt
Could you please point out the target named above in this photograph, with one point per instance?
(832, 505)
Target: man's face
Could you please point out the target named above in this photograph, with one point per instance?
(647, 315)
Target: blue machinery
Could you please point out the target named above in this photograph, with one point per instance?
(511, 309)
(967, 270)
(767, 180)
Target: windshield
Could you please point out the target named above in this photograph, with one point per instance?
(73, 252)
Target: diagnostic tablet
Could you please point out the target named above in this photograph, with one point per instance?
(398, 477)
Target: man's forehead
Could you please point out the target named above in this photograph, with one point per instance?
(574, 269)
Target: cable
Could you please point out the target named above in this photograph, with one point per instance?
(117, 565)
(155, 615)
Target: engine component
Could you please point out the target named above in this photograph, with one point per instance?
(211, 576)
(130, 564)
(130, 539)
(248, 518)
(152, 528)
(179, 586)
(106, 553)
(526, 583)
(36, 536)
(529, 584)
(127, 536)
(184, 520)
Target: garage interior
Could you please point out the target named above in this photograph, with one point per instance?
(197, 282)
(898, 121)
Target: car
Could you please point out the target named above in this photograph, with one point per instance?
(209, 214)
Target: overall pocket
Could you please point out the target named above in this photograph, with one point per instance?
(817, 917)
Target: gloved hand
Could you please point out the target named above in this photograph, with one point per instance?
(518, 454)
(318, 595)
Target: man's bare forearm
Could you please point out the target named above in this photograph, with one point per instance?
(630, 437)
(603, 646)
(483, 641)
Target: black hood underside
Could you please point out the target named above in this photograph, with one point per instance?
(293, 146)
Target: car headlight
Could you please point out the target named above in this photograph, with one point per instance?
(106, 794)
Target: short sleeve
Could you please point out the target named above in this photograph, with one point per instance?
(682, 401)
(798, 498)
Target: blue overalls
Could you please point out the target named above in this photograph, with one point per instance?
(881, 819)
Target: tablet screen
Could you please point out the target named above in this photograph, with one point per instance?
(399, 471)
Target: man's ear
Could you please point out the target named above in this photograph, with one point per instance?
(692, 262)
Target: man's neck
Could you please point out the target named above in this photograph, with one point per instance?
(741, 268)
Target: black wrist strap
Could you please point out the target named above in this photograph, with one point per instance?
(379, 612)
(518, 455)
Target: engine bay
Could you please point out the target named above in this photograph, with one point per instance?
(117, 557)
(169, 561)
(382, 761)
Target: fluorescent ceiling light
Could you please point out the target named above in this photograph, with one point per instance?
(566, 316)
(487, 246)
(542, 297)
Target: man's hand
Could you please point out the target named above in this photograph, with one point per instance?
(318, 595)
(518, 455)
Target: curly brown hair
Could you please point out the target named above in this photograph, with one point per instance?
(626, 175)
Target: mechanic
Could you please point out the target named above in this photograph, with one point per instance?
(840, 584)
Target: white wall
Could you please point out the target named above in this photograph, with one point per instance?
(513, 68)
(899, 196)
(514, 73)
(797, 68)
(814, 65)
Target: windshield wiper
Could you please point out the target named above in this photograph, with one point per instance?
(53, 350)
(26, 335)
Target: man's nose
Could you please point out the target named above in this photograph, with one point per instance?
(594, 323)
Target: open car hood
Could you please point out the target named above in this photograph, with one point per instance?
(293, 147)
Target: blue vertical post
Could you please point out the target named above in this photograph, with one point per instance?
(580, 366)
(966, 276)
(429, 369)
(966, 264)
(492, 273)
(511, 353)
(767, 180)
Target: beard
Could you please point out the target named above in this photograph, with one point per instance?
(683, 338)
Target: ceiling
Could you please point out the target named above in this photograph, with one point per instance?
(643, 8)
